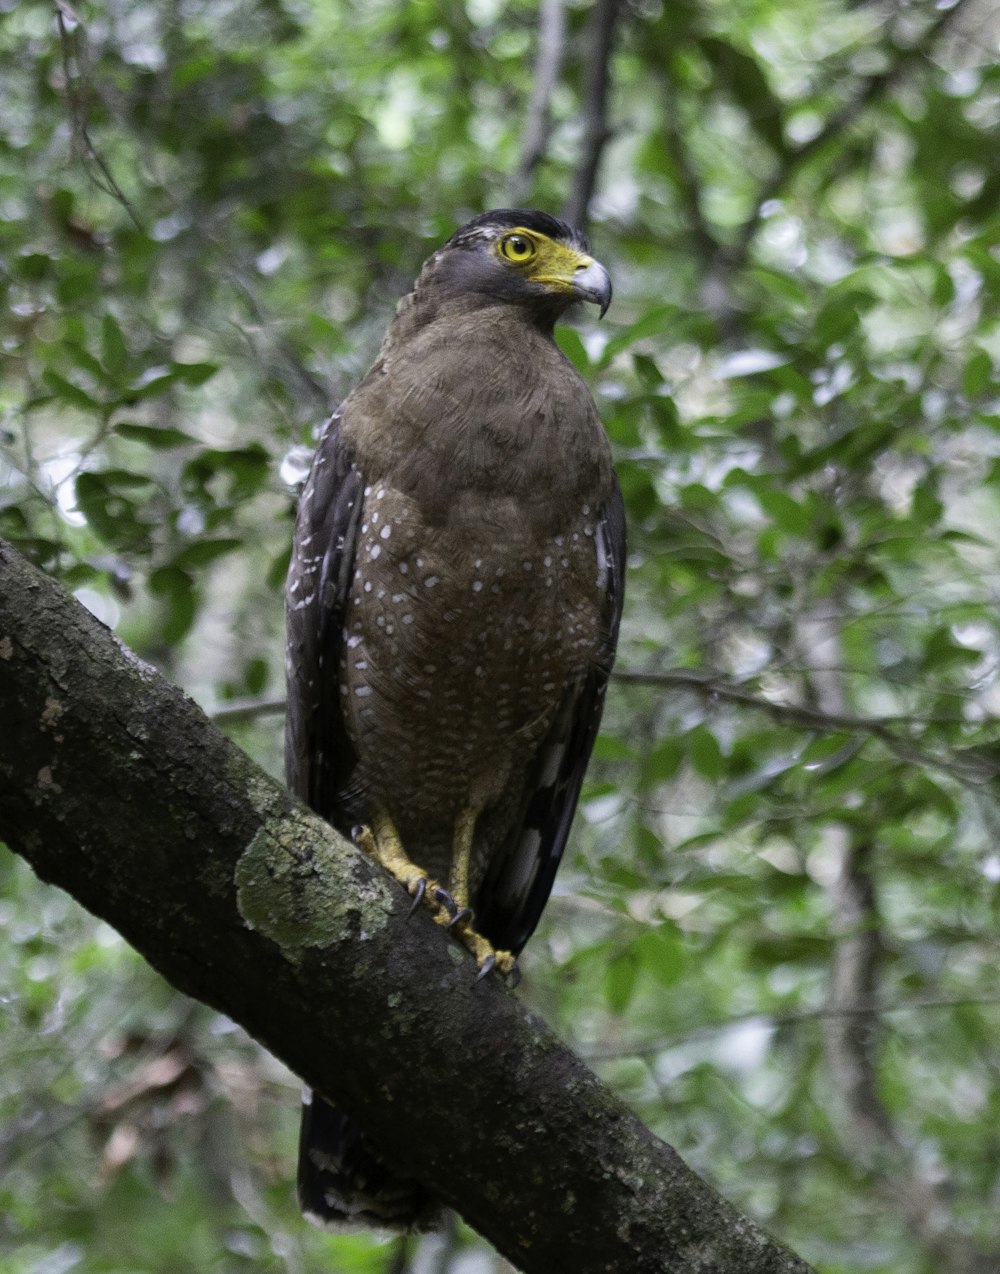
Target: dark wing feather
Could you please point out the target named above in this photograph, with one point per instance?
(517, 886)
(319, 758)
(340, 1175)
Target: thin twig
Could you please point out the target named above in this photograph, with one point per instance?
(777, 1022)
(969, 767)
(94, 163)
(596, 131)
(548, 60)
(246, 710)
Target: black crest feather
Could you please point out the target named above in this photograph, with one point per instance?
(509, 218)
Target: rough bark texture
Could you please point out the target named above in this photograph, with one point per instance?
(116, 787)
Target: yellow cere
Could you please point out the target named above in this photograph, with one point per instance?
(549, 262)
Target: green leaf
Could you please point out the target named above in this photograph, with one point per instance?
(655, 322)
(278, 569)
(978, 377)
(114, 352)
(194, 373)
(68, 392)
(663, 761)
(205, 551)
(244, 470)
(787, 513)
(155, 381)
(609, 748)
(620, 979)
(110, 512)
(568, 340)
(175, 588)
(650, 376)
(704, 752)
(660, 952)
(255, 675)
(159, 437)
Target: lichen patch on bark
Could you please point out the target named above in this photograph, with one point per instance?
(301, 894)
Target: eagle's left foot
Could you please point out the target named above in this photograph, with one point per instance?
(488, 958)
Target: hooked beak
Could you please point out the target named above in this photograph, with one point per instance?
(591, 282)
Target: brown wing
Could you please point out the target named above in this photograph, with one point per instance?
(319, 758)
(513, 895)
(341, 1177)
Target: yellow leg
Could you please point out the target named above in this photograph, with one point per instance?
(461, 856)
(458, 886)
(382, 842)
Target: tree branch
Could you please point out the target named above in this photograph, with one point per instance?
(596, 131)
(95, 165)
(969, 766)
(782, 1021)
(115, 786)
(548, 59)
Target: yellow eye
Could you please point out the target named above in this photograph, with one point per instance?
(516, 247)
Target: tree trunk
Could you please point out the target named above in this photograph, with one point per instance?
(116, 787)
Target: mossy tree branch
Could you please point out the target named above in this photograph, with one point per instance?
(115, 786)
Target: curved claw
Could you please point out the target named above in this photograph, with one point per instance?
(511, 974)
(459, 916)
(445, 899)
(418, 895)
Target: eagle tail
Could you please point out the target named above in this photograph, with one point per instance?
(343, 1183)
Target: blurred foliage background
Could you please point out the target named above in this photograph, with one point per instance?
(776, 933)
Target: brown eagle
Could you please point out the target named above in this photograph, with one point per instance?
(453, 604)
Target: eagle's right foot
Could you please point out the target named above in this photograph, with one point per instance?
(385, 847)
